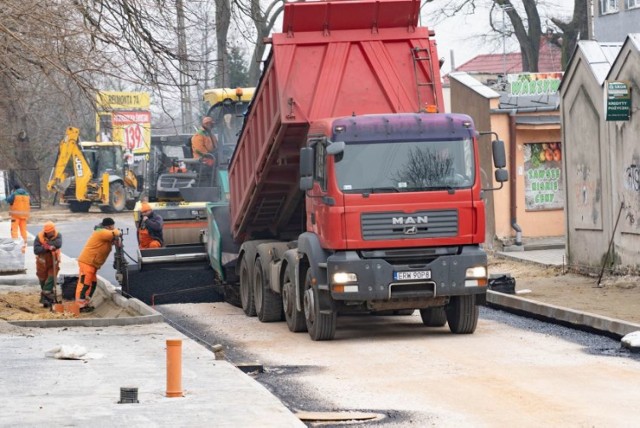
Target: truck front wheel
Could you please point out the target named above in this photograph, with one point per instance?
(462, 314)
(268, 304)
(246, 289)
(295, 318)
(321, 324)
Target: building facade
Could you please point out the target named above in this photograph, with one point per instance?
(526, 116)
(614, 19)
(602, 156)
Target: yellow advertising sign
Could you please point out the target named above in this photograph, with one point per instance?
(110, 100)
(124, 117)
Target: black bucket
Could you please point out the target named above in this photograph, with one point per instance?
(69, 283)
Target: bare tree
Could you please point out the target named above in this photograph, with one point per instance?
(264, 20)
(526, 25)
(68, 50)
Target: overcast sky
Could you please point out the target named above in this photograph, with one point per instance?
(463, 34)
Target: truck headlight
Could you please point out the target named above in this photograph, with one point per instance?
(476, 276)
(476, 272)
(344, 277)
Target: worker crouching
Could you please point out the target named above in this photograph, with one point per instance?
(46, 247)
(149, 228)
(91, 259)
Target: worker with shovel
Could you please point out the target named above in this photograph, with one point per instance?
(91, 259)
(46, 247)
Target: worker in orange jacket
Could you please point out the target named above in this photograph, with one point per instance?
(204, 143)
(20, 207)
(149, 227)
(46, 247)
(91, 259)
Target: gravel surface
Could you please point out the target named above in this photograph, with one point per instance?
(414, 376)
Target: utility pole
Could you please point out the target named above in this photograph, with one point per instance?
(183, 63)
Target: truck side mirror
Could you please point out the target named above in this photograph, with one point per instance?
(502, 175)
(499, 157)
(306, 162)
(306, 183)
(335, 148)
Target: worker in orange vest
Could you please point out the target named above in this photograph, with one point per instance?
(204, 143)
(20, 206)
(91, 259)
(149, 228)
(46, 247)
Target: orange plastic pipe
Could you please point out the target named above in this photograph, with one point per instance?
(174, 368)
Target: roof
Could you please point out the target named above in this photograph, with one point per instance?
(474, 84)
(599, 56)
(549, 60)
(538, 120)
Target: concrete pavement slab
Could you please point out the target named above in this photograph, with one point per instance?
(43, 391)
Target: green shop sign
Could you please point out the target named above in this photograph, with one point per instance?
(532, 84)
(618, 101)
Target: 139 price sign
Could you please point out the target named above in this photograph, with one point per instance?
(134, 136)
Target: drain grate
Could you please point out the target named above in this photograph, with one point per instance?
(128, 395)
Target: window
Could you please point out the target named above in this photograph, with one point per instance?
(632, 4)
(406, 166)
(609, 6)
(320, 158)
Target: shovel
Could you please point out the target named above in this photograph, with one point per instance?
(56, 306)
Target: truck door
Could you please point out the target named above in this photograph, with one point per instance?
(319, 218)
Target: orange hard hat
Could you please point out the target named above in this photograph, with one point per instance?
(49, 227)
(145, 207)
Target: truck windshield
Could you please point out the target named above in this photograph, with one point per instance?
(388, 167)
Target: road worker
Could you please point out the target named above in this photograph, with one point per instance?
(46, 247)
(204, 143)
(149, 228)
(20, 206)
(91, 259)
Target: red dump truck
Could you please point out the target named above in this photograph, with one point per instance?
(350, 191)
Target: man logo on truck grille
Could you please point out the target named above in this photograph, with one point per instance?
(422, 219)
(410, 230)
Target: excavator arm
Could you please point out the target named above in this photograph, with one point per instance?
(69, 150)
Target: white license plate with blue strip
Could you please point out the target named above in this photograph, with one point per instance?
(412, 275)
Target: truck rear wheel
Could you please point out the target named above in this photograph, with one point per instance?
(462, 314)
(295, 318)
(433, 317)
(246, 290)
(321, 324)
(268, 304)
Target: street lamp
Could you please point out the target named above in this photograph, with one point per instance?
(506, 7)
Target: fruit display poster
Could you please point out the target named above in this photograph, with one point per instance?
(543, 179)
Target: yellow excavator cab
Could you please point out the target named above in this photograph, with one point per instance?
(218, 95)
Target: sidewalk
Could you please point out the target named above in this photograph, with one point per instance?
(552, 255)
(59, 392)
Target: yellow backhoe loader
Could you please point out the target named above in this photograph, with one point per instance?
(88, 173)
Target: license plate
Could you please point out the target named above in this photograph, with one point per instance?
(414, 274)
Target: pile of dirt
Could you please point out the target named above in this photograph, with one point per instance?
(20, 306)
(617, 296)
